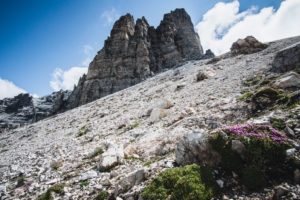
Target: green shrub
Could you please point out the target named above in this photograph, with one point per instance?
(102, 195)
(185, 183)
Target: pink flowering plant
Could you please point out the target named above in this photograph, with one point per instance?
(263, 155)
(254, 131)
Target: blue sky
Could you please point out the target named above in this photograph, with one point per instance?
(38, 36)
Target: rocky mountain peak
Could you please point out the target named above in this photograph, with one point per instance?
(124, 25)
(136, 51)
(177, 16)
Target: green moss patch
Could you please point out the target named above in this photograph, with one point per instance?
(278, 123)
(133, 126)
(103, 195)
(245, 96)
(84, 183)
(184, 183)
(96, 152)
(58, 189)
(252, 82)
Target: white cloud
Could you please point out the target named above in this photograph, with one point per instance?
(66, 79)
(110, 16)
(8, 89)
(224, 24)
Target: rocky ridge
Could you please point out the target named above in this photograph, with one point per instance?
(24, 109)
(114, 146)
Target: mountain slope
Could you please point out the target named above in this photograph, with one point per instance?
(66, 148)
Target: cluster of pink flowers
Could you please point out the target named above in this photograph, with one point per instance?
(256, 130)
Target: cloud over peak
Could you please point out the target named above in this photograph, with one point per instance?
(66, 79)
(110, 16)
(224, 24)
(8, 89)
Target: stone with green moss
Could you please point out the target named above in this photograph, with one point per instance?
(265, 97)
(184, 183)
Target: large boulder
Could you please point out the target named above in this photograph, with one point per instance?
(113, 156)
(132, 179)
(248, 45)
(195, 148)
(288, 81)
(287, 59)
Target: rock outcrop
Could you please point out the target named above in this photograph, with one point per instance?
(247, 46)
(287, 59)
(24, 109)
(135, 51)
(195, 148)
(208, 54)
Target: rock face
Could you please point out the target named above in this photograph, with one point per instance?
(287, 59)
(24, 109)
(135, 51)
(247, 46)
